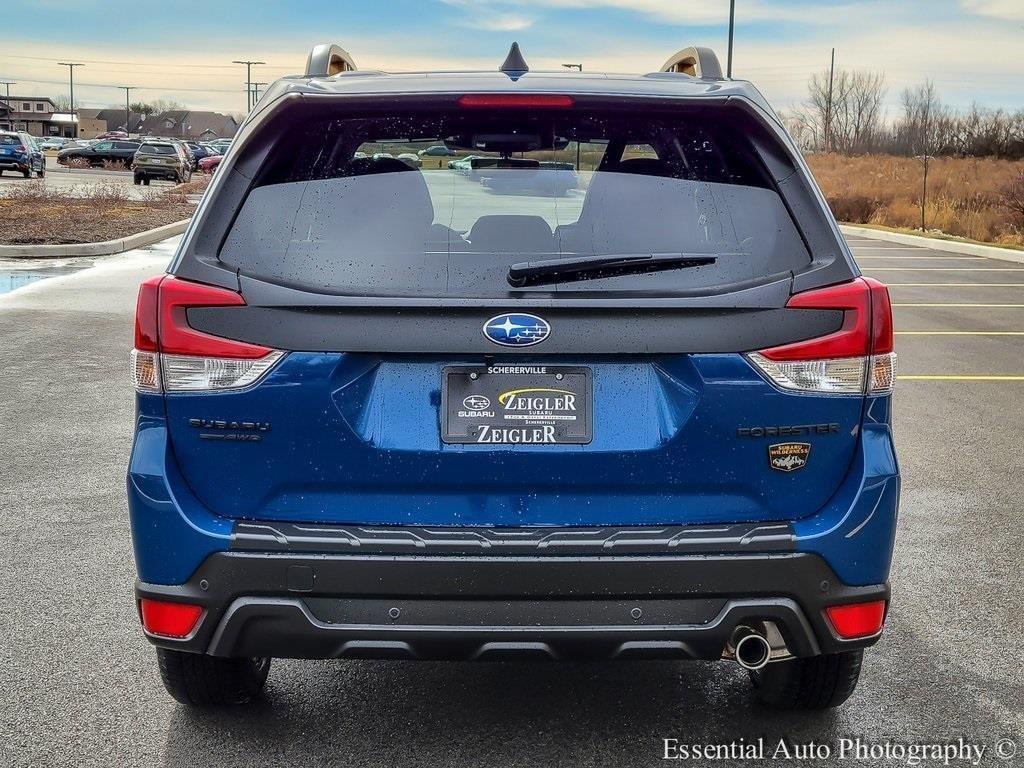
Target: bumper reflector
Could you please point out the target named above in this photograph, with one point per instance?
(169, 619)
(856, 620)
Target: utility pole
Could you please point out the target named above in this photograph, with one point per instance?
(732, 27)
(127, 107)
(8, 83)
(256, 92)
(71, 74)
(248, 81)
(828, 103)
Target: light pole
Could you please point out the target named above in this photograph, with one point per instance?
(71, 74)
(127, 107)
(248, 81)
(732, 26)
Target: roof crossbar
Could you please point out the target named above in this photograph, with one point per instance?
(327, 59)
(696, 62)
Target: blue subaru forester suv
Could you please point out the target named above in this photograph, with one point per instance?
(388, 410)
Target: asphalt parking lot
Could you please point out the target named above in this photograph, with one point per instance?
(59, 178)
(79, 686)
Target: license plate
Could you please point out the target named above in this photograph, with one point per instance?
(157, 162)
(516, 405)
(5, 151)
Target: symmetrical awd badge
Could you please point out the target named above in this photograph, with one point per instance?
(516, 330)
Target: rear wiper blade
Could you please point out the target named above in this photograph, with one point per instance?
(570, 270)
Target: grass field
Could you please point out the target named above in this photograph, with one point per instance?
(963, 194)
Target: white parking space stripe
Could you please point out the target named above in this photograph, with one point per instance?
(936, 258)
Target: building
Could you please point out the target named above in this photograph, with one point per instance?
(189, 124)
(38, 116)
(113, 119)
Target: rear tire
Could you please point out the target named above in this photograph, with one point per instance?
(26, 174)
(207, 681)
(815, 683)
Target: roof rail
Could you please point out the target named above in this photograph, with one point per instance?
(695, 61)
(327, 59)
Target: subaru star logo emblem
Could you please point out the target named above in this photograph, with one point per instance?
(516, 330)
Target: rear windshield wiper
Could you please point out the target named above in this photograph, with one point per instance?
(570, 270)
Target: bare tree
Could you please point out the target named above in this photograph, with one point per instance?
(846, 119)
(921, 129)
(62, 102)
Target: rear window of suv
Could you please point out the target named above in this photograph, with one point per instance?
(336, 210)
(156, 149)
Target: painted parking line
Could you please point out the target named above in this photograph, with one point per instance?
(957, 377)
(925, 258)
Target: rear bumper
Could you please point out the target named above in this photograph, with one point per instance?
(459, 607)
(156, 173)
(10, 163)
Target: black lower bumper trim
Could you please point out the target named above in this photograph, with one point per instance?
(452, 607)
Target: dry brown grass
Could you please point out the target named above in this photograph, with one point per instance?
(32, 214)
(965, 195)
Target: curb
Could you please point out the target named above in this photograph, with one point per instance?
(952, 246)
(104, 248)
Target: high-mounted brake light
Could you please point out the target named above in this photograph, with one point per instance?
(171, 355)
(856, 358)
(857, 620)
(166, 619)
(514, 100)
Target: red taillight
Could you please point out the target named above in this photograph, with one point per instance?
(856, 620)
(20, 148)
(513, 100)
(177, 337)
(881, 317)
(171, 355)
(169, 619)
(856, 358)
(146, 313)
(853, 339)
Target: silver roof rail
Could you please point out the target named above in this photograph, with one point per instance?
(696, 62)
(327, 59)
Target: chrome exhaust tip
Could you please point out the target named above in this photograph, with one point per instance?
(751, 648)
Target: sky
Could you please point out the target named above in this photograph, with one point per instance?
(182, 50)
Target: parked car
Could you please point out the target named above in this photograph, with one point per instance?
(19, 152)
(112, 135)
(190, 155)
(438, 150)
(161, 160)
(101, 152)
(410, 159)
(380, 414)
(199, 151)
(53, 143)
(209, 163)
